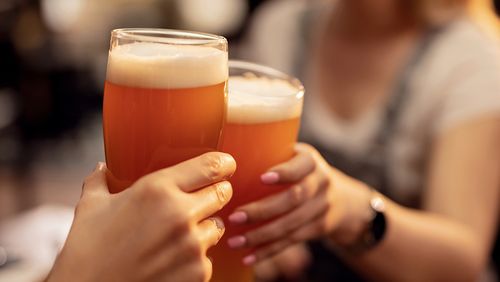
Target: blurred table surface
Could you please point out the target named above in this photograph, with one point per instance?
(31, 241)
(36, 206)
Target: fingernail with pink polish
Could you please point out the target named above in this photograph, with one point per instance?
(270, 177)
(249, 260)
(238, 217)
(236, 241)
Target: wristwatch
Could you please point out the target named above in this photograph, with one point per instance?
(374, 230)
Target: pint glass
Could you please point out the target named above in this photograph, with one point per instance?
(263, 121)
(164, 100)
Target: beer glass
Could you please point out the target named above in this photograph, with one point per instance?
(164, 100)
(264, 109)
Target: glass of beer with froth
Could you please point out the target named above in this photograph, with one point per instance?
(164, 100)
(264, 109)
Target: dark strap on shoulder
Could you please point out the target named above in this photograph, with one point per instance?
(402, 87)
(396, 106)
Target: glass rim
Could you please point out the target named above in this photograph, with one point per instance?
(269, 71)
(168, 36)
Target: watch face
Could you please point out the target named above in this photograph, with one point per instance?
(377, 204)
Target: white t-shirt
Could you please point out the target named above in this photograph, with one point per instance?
(457, 80)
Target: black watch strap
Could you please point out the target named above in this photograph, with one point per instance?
(375, 229)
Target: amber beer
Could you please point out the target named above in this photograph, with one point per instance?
(261, 129)
(164, 100)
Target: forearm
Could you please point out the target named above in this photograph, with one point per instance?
(420, 246)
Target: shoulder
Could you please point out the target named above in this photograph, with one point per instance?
(277, 9)
(461, 74)
(278, 15)
(462, 45)
(275, 32)
(276, 19)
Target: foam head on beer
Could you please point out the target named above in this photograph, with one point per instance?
(163, 66)
(254, 99)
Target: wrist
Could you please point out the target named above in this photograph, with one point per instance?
(370, 229)
(66, 268)
(357, 213)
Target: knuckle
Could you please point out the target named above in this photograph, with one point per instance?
(213, 164)
(322, 209)
(324, 182)
(296, 195)
(324, 186)
(322, 226)
(310, 151)
(268, 234)
(177, 220)
(286, 172)
(192, 247)
(326, 206)
(309, 160)
(255, 213)
(304, 147)
(224, 192)
(253, 237)
(154, 189)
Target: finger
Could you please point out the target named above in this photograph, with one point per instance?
(210, 231)
(267, 252)
(292, 171)
(199, 270)
(211, 199)
(293, 260)
(95, 183)
(290, 247)
(282, 227)
(208, 268)
(198, 172)
(309, 231)
(266, 270)
(277, 204)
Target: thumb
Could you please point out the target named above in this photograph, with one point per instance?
(95, 183)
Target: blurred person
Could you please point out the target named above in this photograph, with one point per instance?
(157, 230)
(402, 97)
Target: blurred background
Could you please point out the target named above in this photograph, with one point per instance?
(52, 68)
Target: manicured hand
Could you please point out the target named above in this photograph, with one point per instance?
(311, 208)
(157, 230)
